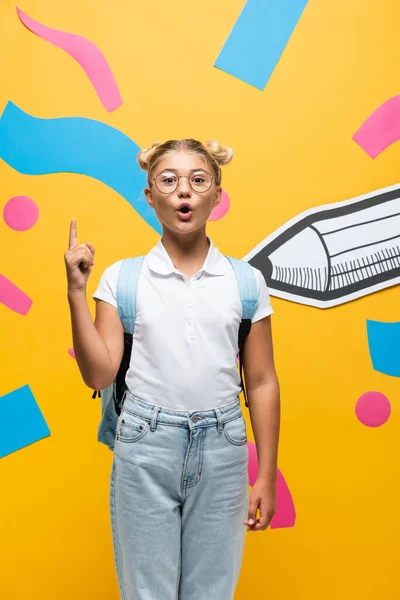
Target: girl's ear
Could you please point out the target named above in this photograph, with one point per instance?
(217, 198)
(147, 192)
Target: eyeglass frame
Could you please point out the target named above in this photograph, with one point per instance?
(187, 177)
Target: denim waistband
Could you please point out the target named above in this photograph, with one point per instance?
(191, 419)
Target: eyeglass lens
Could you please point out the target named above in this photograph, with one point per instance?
(199, 181)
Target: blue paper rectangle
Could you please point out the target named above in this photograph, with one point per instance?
(384, 346)
(258, 39)
(21, 421)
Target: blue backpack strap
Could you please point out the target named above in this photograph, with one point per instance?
(126, 291)
(127, 285)
(248, 288)
(248, 291)
(113, 396)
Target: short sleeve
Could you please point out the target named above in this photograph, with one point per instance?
(264, 308)
(107, 287)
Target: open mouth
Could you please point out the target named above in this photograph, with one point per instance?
(185, 209)
(184, 212)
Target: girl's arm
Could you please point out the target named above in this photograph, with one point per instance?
(98, 346)
(262, 389)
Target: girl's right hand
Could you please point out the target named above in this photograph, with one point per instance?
(78, 261)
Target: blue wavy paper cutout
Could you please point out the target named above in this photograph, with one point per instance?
(384, 347)
(35, 146)
(21, 421)
(258, 39)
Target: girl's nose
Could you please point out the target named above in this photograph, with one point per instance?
(183, 186)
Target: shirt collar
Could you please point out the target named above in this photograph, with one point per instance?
(159, 261)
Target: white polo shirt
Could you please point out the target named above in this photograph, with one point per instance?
(185, 342)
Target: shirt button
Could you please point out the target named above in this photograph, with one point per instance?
(190, 322)
(189, 306)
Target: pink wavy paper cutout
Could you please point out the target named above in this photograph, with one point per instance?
(285, 515)
(381, 129)
(221, 209)
(87, 54)
(13, 297)
(71, 352)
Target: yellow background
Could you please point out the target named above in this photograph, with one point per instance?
(293, 150)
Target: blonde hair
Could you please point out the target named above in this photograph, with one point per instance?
(215, 155)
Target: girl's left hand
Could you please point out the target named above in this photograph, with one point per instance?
(262, 497)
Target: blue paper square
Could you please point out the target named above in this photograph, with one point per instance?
(21, 421)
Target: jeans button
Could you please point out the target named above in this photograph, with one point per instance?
(195, 418)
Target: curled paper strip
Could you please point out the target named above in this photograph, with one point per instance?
(86, 54)
(35, 146)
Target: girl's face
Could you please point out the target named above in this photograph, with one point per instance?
(184, 210)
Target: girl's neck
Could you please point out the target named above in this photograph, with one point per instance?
(187, 252)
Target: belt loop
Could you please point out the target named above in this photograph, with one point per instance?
(154, 418)
(219, 419)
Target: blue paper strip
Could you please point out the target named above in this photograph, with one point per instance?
(35, 146)
(258, 39)
(384, 347)
(21, 421)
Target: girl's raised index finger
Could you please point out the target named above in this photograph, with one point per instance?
(72, 234)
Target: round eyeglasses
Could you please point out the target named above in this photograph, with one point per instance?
(167, 181)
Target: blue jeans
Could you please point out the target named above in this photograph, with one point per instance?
(178, 498)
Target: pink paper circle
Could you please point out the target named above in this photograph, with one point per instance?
(21, 213)
(222, 208)
(373, 409)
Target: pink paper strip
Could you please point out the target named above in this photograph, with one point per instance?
(285, 515)
(14, 298)
(381, 129)
(87, 54)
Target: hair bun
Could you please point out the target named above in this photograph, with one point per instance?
(144, 156)
(222, 154)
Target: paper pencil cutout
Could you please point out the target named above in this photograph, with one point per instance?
(334, 253)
